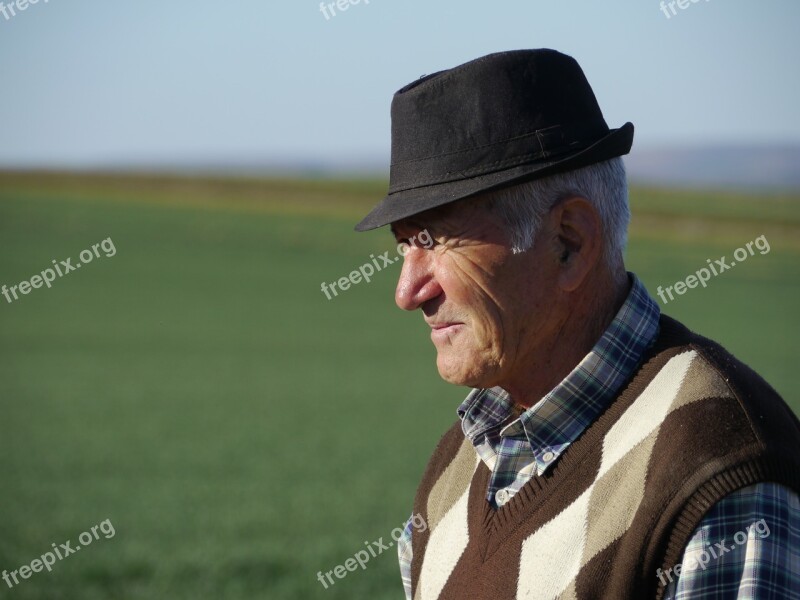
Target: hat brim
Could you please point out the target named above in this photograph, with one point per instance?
(411, 202)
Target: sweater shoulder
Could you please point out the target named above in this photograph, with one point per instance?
(718, 375)
(726, 428)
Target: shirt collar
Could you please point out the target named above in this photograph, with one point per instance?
(567, 410)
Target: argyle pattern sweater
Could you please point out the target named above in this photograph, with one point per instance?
(691, 426)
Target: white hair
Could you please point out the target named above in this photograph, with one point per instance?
(604, 184)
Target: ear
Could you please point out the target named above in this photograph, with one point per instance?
(579, 232)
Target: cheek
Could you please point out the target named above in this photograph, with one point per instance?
(465, 298)
(467, 278)
(489, 329)
(473, 295)
(484, 337)
(512, 316)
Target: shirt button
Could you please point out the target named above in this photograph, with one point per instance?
(501, 497)
(548, 456)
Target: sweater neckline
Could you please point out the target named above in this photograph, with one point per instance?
(494, 525)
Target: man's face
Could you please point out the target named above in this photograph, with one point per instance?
(489, 310)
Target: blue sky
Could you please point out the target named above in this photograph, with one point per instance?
(89, 83)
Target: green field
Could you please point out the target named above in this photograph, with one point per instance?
(241, 431)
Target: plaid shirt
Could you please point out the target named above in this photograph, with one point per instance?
(516, 448)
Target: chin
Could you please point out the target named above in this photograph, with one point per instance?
(463, 371)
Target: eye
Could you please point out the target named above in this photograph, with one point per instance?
(398, 237)
(423, 238)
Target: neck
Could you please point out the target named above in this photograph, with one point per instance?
(588, 316)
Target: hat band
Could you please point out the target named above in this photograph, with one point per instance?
(497, 156)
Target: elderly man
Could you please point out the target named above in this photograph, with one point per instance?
(605, 451)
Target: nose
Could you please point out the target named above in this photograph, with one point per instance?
(417, 283)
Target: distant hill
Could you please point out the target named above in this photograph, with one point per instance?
(734, 167)
(743, 167)
(751, 167)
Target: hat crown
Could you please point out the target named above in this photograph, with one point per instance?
(498, 99)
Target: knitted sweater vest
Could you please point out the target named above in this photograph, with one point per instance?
(692, 425)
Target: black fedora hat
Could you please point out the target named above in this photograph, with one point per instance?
(498, 120)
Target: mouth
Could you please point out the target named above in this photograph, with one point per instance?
(444, 331)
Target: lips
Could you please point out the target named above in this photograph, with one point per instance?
(443, 331)
(443, 324)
